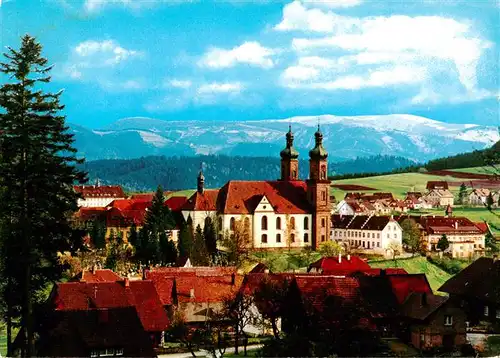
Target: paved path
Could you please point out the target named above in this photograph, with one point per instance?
(204, 353)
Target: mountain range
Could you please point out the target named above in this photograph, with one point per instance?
(345, 137)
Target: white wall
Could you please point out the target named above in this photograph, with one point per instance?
(96, 202)
(199, 217)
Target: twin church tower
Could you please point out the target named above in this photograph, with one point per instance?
(318, 185)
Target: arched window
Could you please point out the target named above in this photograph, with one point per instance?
(323, 172)
(264, 238)
(306, 223)
(278, 237)
(292, 237)
(294, 174)
(263, 223)
(323, 222)
(306, 237)
(292, 223)
(278, 223)
(208, 221)
(220, 223)
(231, 224)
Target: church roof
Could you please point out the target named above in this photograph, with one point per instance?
(205, 201)
(242, 197)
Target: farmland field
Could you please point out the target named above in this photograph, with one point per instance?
(398, 184)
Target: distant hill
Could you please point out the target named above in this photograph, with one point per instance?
(345, 137)
(177, 173)
(477, 158)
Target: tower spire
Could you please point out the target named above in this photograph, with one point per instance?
(289, 155)
(201, 180)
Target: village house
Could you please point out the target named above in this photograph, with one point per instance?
(371, 233)
(93, 196)
(289, 212)
(438, 194)
(479, 197)
(477, 289)
(370, 204)
(433, 322)
(466, 239)
(349, 265)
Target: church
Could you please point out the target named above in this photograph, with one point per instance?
(289, 212)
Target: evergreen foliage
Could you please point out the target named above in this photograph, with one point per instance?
(462, 194)
(98, 234)
(489, 201)
(210, 236)
(443, 243)
(37, 171)
(185, 243)
(199, 255)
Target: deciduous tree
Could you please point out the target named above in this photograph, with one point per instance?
(411, 236)
(37, 173)
(443, 243)
(330, 248)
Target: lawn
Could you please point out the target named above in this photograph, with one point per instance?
(474, 170)
(281, 261)
(398, 184)
(418, 264)
(187, 193)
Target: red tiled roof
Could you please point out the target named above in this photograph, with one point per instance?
(101, 275)
(483, 226)
(130, 204)
(437, 185)
(142, 295)
(124, 218)
(143, 196)
(209, 284)
(175, 203)
(206, 201)
(446, 225)
(327, 264)
(101, 191)
(242, 197)
(90, 214)
(404, 285)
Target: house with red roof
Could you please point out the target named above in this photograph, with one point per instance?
(97, 275)
(278, 213)
(197, 292)
(465, 237)
(341, 263)
(98, 195)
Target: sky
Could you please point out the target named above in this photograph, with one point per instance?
(244, 60)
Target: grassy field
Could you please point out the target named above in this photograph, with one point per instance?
(281, 261)
(418, 264)
(475, 170)
(398, 184)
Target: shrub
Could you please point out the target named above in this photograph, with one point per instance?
(452, 266)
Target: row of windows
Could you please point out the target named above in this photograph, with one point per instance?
(487, 312)
(365, 244)
(263, 238)
(108, 352)
(356, 234)
(264, 223)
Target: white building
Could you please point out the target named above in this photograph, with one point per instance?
(368, 233)
(98, 196)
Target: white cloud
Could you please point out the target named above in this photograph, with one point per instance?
(301, 73)
(297, 17)
(184, 84)
(333, 3)
(397, 75)
(428, 96)
(103, 53)
(252, 53)
(121, 86)
(218, 87)
(93, 6)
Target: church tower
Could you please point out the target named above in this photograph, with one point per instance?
(201, 181)
(318, 191)
(289, 161)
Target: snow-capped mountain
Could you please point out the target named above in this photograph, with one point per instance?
(414, 137)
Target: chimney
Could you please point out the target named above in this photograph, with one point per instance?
(456, 225)
(340, 258)
(191, 293)
(126, 282)
(348, 257)
(94, 268)
(424, 299)
(233, 279)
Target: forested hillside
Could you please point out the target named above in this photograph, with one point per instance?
(477, 158)
(176, 173)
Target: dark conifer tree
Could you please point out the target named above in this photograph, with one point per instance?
(185, 243)
(98, 234)
(37, 171)
(462, 194)
(200, 255)
(210, 235)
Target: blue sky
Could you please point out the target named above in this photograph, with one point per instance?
(239, 60)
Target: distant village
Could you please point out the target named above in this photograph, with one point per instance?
(143, 312)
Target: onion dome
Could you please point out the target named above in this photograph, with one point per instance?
(318, 152)
(289, 152)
